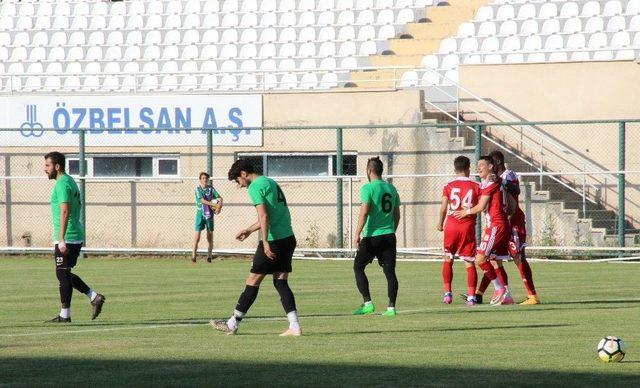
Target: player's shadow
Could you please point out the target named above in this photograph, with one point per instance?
(288, 371)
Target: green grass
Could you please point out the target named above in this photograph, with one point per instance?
(154, 332)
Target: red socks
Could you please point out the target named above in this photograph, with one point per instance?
(527, 277)
(484, 283)
(447, 275)
(502, 275)
(488, 270)
(472, 280)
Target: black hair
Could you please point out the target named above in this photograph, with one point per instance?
(461, 163)
(375, 165)
(241, 165)
(497, 156)
(57, 158)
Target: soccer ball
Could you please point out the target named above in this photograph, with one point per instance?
(611, 349)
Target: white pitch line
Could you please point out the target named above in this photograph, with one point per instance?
(147, 327)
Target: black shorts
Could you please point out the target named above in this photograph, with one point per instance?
(284, 253)
(383, 247)
(70, 259)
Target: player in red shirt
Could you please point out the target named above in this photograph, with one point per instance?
(459, 235)
(518, 230)
(495, 240)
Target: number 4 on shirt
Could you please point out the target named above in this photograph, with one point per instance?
(281, 197)
(454, 199)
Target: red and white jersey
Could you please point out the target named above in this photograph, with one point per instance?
(495, 212)
(517, 219)
(462, 193)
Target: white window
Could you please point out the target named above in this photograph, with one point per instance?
(127, 166)
(301, 164)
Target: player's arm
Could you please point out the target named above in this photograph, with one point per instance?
(263, 219)
(396, 218)
(362, 219)
(511, 204)
(444, 204)
(64, 218)
(479, 208)
(512, 188)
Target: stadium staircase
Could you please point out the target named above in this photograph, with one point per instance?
(593, 223)
(421, 38)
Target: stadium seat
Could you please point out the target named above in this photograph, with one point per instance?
(529, 27)
(633, 7)
(228, 82)
(620, 39)
(507, 28)
(91, 83)
(52, 84)
(35, 68)
(554, 42)
(170, 67)
(548, 10)
(484, 13)
(149, 83)
(505, 12)
(209, 66)
(487, 29)
(96, 38)
(616, 23)
(169, 83)
(527, 11)
(448, 45)
(188, 83)
(569, 9)
(590, 8)
(71, 83)
(111, 68)
(597, 40)
(594, 24)
(576, 41)
(511, 43)
(550, 26)
(572, 26)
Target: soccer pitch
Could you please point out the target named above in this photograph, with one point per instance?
(153, 330)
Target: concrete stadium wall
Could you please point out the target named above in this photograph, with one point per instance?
(571, 91)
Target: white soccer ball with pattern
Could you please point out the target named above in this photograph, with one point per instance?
(611, 349)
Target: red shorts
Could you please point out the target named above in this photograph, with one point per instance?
(460, 240)
(495, 242)
(518, 234)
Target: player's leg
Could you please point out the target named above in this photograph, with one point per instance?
(516, 250)
(246, 299)
(453, 241)
(96, 299)
(387, 254)
(288, 300)
(363, 258)
(498, 265)
(210, 245)
(472, 281)
(194, 249)
(261, 267)
(284, 249)
(482, 256)
(447, 278)
(527, 279)
(200, 225)
(501, 252)
(63, 273)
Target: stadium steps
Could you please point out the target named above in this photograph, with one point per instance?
(420, 38)
(596, 227)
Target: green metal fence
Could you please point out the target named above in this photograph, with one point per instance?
(580, 165)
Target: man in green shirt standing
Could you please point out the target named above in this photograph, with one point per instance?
(378, 221)
(68, 236)
(275, 250)
(208, 203)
